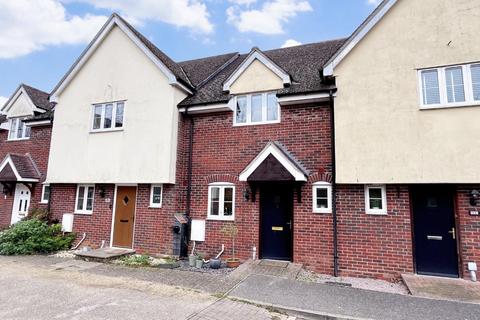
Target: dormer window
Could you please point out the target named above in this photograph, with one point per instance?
(261, 108)
(18, 130)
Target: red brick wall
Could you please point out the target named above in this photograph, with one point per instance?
(469, 228)
(221, 149)
(369, 245)
(38, 146)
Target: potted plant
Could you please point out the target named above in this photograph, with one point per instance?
(215, 263)
(231, 230)
(199, 261)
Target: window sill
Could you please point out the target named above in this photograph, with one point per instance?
(20, 139)
(106, 130)
(329, 211)
(221, 218)
(377, 213)
(155, 206)
(43, 202)
(84, 213)
(450, 106)
(255, 123)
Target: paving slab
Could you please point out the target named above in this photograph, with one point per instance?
(443, 288)
(104, 253)
(282, 269)
(350, 303)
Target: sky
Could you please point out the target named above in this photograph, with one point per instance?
(41, 39)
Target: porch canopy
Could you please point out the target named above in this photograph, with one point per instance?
(18, 168)
(274, 163)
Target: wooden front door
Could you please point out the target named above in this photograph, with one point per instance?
(124, 217)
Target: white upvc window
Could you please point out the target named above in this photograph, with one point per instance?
(376, 199)
(18, 130)
(221, 201)
(452, 86)
(256, 108)
(322, 197)
(84, 199)
(156, 193)
(45, 193)
(108, 116)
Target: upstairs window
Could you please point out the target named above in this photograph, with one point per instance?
(258, 108)
(18, 130)
(221, 201)
(452, 86)
(108, 116)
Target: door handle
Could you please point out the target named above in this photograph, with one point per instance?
(452, 232)
(122, 220)
(289, 224)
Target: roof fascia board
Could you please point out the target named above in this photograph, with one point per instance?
(273, 150)
(95, 43)
(256, 55)
(20, 90)
(38, 123)
(220, 107)
(304, 98)
(358, 35)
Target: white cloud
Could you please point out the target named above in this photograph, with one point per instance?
(192, 14)
(269, 19)
(243, 2)
(374, 2)
(3, 100)
(291, 43)
(27, 26)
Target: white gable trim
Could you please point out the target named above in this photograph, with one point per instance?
(358, 35)
(256, 55)
(272, 149)
(218, 107)
(20, 90)
(101, 35)
(8, 160)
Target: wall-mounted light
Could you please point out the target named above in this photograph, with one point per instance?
(102, 192)
(246, 194)
(474, 197)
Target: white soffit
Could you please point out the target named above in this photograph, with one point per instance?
(272, 149)
(358, 35)
(256, 55)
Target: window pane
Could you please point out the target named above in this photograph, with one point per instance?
(228, 196)
(272, 107)
(241, 110)
(119, 115)
(476, 81)
(214, 201)
(228, 208)
(107, 123)
(19, 128)
(322, 203)
(454, 80)
(46, 193)
(322, 193)
(13, 129)
(27, 130)
(90, 199)
(431, 90)
(80, 197)
(257, 108)
(376, 204)
(97, 117)
(375, 193)
(157, 195)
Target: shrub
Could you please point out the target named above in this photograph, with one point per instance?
(37, 213)
(34, 236)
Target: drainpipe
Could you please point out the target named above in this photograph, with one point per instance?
(190, 163)
(334, 186)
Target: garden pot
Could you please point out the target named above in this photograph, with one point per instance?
(199, 264)
(215, 263)
(233, 263)
(191, 260)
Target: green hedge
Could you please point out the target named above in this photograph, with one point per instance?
(34, 236)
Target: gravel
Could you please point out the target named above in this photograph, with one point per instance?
(360, 283)
(64, 254)
(184, 266)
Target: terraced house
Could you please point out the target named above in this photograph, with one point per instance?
(354, 157)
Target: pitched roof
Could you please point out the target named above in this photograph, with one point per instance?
(303, 63)
(199, 70)
(39, 98)
(19, 167)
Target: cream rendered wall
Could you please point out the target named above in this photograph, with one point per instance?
(382, 136)
(21, 107)
(145, 151)
(256, 78)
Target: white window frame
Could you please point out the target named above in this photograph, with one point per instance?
(248, 121)
(43, 200)
(221, 198)
(24, 130)
(85, 196)
(102, 120)
(322, 185)
(152, 204)
(368, 210)
(467, 86)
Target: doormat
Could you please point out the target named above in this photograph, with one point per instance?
(273, 263)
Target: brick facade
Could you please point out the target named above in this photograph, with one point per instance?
(39, 147)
